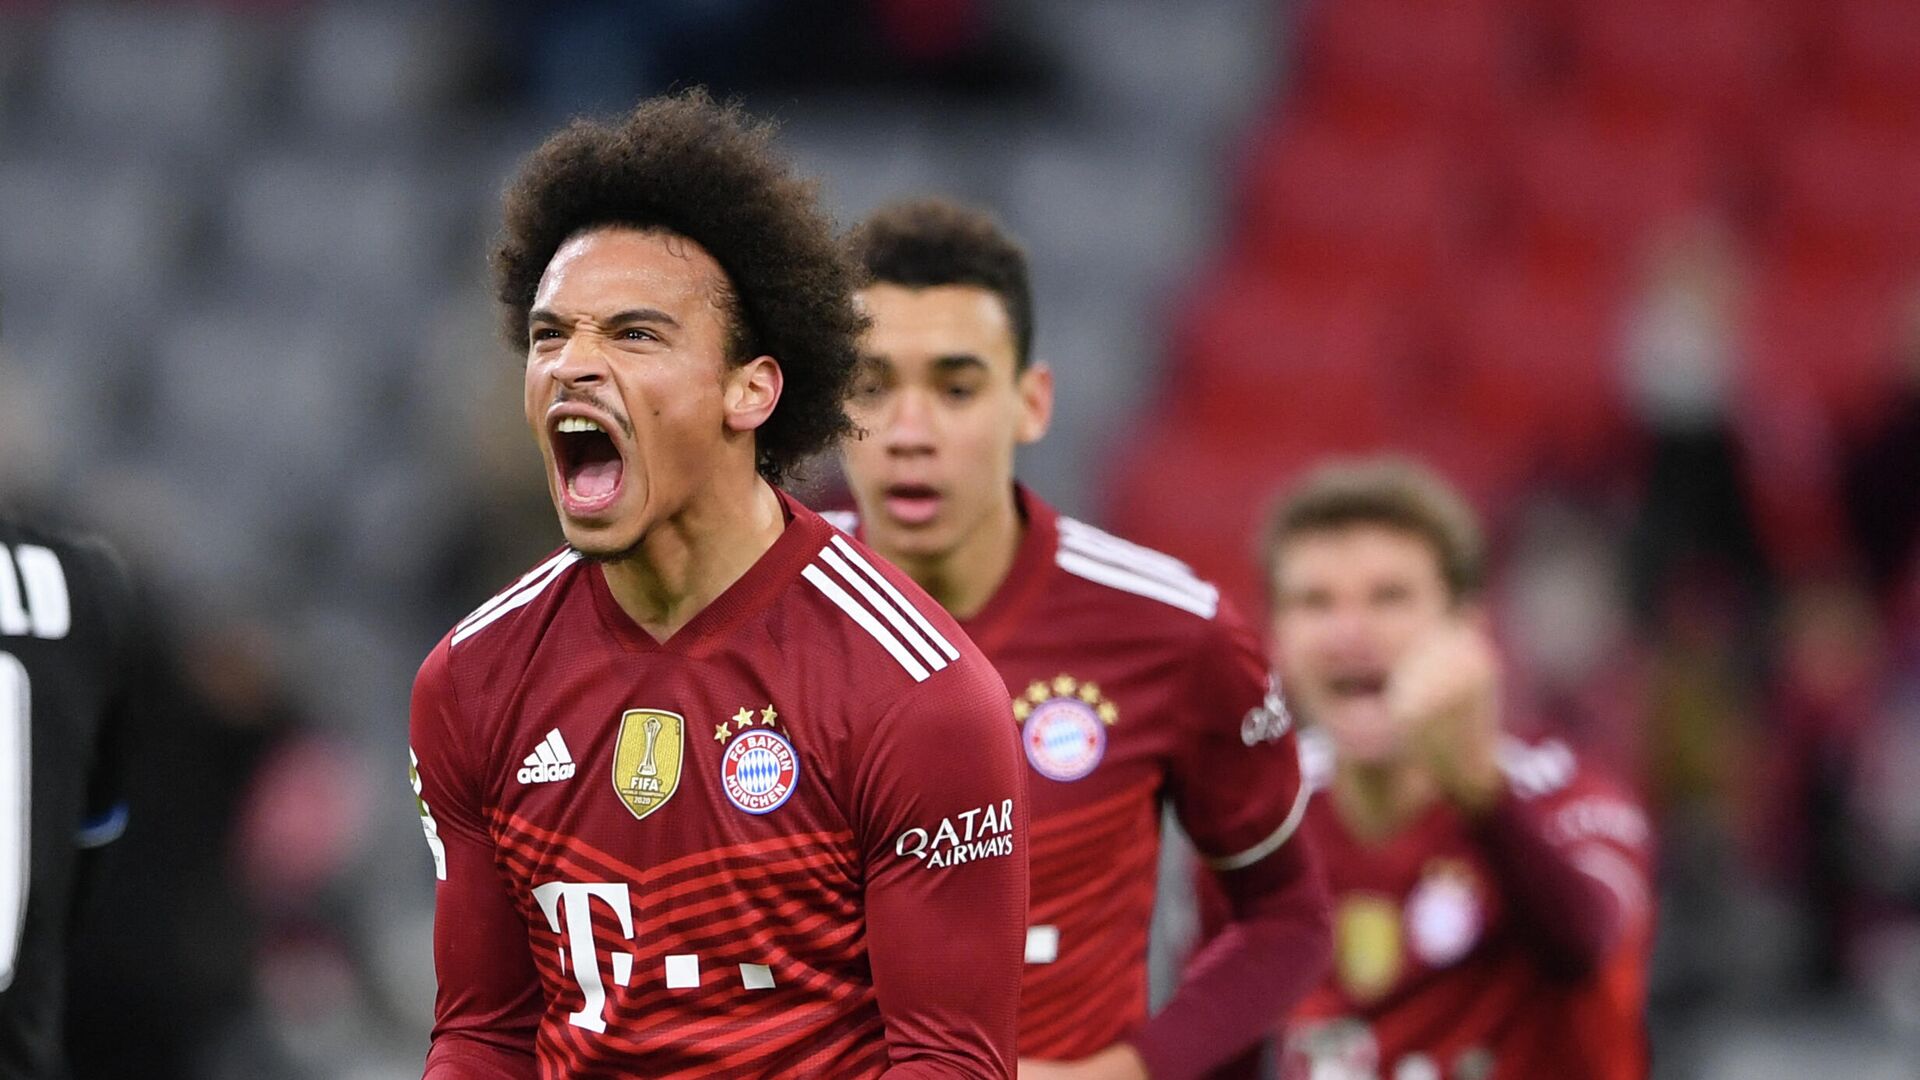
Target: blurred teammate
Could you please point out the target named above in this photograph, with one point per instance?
(67, 646)
(711, 791)
(1133, 684)
(1491, 897)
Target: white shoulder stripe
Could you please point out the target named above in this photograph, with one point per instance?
(1203, 602)
(1273, 841)
(501, 597)
(845, 520)
(1100, 542)
(515, 600)
(886, 586)
(1183, 580)
(901, 626)
(867, 622)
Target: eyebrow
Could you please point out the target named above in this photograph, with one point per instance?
(957, 361)
(622, 318)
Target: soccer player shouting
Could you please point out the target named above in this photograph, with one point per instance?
(712, 791)
(1133, 683)
(1492, 911)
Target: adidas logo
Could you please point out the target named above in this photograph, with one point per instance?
(549, 761)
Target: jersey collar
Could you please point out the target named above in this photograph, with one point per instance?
(802, 539)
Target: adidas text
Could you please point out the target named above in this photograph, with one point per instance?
(544, 773)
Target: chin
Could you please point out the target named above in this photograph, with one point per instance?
(601, 543)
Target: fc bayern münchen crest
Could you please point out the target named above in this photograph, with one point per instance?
(1063, 725)
(759, 770)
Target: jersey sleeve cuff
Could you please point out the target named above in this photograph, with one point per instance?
(1273, 842)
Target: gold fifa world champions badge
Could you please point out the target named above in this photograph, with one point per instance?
(646, 764)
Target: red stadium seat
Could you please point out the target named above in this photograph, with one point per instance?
(1825, 337)
(1407, 63)
(1257, 351)
(1846, 193)
(1535, 371)
(1585, 190)
(1872, 68)
(1716, 60)
(1324, 199)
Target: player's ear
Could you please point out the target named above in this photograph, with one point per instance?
(1035, 386)
(749, 393)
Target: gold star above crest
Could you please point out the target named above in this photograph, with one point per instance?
(1089, 693)
(768, 716)
(720, 732)
(1065, 684)
(1022, 710)
(1108, 714)
(1037, 692)
(744, 718)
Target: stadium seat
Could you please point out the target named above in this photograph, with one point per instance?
(1257, 351)
(1872, 64)
(1433, 64)
(1716, 60)
(1846, 193)
(1534, 370)
(1823, 336)
(151, 75)
(1584, 189)
(1320, 198)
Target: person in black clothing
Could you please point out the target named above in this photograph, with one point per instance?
(67, 646)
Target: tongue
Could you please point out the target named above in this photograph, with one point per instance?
(595, 479)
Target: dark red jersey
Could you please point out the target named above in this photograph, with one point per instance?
(1133, 684)
(789, 841)
(1458, 955)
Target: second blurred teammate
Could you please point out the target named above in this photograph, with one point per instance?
(1132, 682)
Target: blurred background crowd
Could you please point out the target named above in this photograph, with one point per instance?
(1643, 276)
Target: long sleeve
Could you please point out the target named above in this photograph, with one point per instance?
(488, 1003)
(942, 818)
(1274, 949)
(1239, 793)
(1577, 865)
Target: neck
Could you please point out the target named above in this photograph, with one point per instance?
(1377, 801)
(686, 561)
(964, 578)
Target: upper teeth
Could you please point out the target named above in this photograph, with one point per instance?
(572, 424)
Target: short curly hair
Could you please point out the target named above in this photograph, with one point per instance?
(922, 243)
(706, 171)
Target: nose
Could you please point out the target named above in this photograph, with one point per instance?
(580, 362)
(908, 426)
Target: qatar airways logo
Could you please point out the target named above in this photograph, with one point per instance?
(982, 833)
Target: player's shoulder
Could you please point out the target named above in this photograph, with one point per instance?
(894, 638)
(1132, 579)
(512, 617)
(1548, 769)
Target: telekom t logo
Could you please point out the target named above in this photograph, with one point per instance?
(576, 902)
(569, 906)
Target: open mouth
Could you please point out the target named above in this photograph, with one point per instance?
(912, 504)
(1349, 687)
(589, 463)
